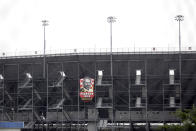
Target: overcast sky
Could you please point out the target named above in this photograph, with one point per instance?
(83, 23)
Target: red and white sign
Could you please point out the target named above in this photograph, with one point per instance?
(87, 88)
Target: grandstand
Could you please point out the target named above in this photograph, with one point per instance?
(144, 89)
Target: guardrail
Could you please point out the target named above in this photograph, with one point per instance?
(90, 51)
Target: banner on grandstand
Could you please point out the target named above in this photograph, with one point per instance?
(86, 88)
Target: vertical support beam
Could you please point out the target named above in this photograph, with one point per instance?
(147, 124)
(180, 66)
(163, 103)
(47, 103)
(32, 96)
(62, 97)
(3, 92)
(17, 93)
(44, 61)
(129, 91)
(78, 95)
(2, 96)
(95, 92)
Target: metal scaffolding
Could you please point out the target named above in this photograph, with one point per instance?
(144, 89)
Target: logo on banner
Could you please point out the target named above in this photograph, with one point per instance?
(86, 88)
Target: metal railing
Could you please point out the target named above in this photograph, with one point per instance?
(104, 51)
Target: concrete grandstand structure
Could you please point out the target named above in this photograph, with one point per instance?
(145, 88)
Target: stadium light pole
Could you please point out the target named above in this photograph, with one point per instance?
(180, 18)
(111, 20)
(44, 24)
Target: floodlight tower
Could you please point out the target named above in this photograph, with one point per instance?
(180, 18)
(44, 24)
(111, 20)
